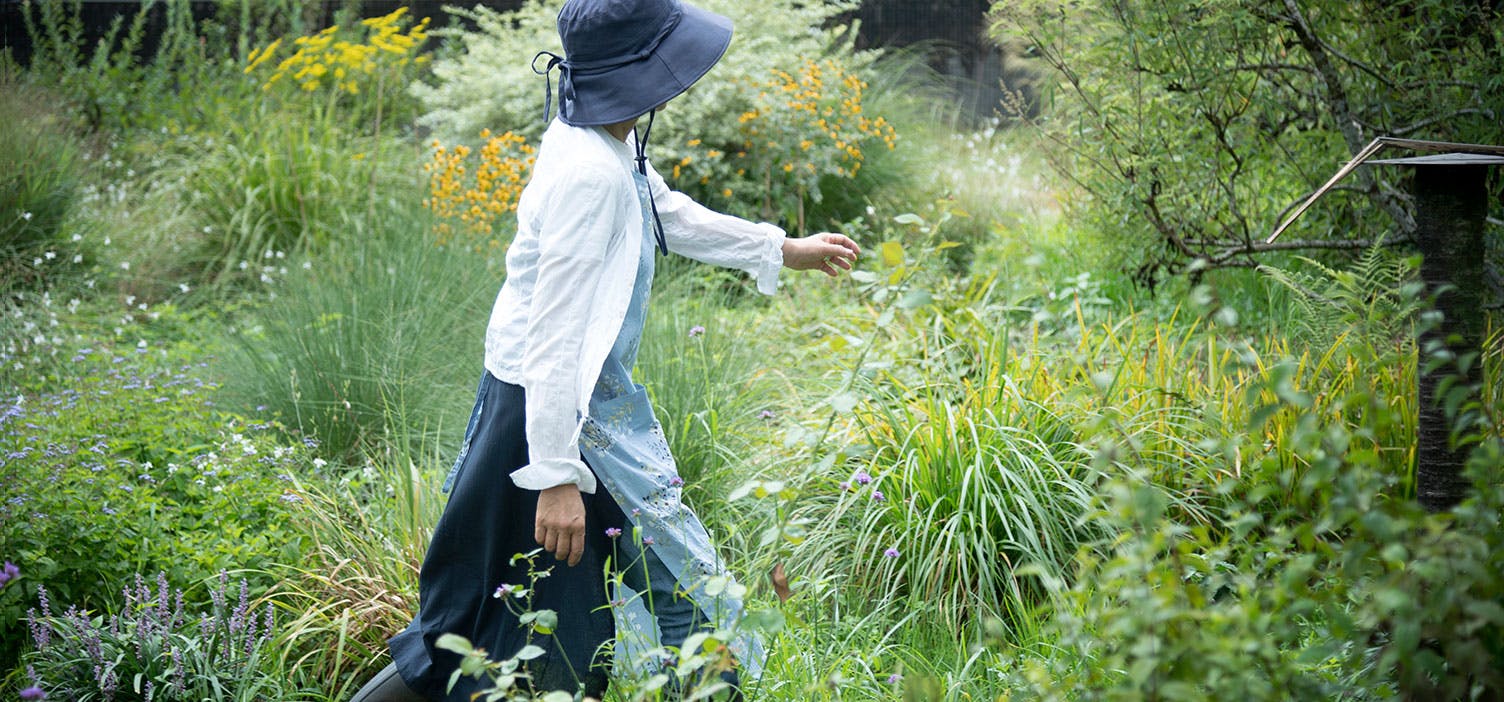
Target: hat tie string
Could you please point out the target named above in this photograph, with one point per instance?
(548, 85)
(642, 167)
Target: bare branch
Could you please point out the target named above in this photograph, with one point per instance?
(1417, 126)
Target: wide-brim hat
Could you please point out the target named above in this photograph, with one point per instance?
(623, 58)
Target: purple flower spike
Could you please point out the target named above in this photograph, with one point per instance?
(33, 693)
(696, 330)
(891, 552)
(9, 573)
(894, 679)
(613, 532)
(878, 495)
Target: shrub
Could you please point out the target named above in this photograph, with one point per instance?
(154, 648)
(126, 465)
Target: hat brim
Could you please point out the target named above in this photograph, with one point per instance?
(631, 90)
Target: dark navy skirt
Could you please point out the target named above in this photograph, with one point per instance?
(486, 522)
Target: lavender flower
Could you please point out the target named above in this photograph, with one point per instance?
(647, 540)
(878, 496)
(33, 693)
(894, 679)
(767, 414)
(675, 481)
(696, 330)
(8, 573)
(613, 532)
(891, 552)
(862, 478)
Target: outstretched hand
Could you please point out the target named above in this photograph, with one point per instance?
(827, 252)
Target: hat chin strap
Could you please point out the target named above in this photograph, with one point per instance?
(642, 167)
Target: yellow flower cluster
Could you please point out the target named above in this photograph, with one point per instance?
(823, 101)
(476, 203)
(325, 59)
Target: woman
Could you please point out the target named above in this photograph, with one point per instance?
(562, 450)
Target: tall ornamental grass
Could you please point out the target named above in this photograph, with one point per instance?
(381, 338)
(40, 163)
(359, 584)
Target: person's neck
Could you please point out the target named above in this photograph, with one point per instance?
(620, 130)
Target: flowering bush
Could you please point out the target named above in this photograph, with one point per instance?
(344, 64)
(128, 465)
(796, 131)
(480, 203)
(698, 143)
(154, 648)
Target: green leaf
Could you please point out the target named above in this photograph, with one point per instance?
(529, 652)
(455, 643)
(909, 218)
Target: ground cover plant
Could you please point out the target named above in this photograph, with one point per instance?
(244, 307)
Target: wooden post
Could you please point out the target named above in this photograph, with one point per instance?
(1451, 207)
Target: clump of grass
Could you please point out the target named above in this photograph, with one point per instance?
(375, 329)
(359, 584)
(39, 180)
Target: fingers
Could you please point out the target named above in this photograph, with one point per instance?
(576, 547)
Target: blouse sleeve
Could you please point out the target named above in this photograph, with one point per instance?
(696, 231)
(575, 229)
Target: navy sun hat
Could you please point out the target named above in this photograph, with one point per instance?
(623, 58)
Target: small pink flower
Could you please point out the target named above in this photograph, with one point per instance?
(648, 540)
(767, 414)
(675, 481)
(613, 532)
(696, 330)
(878, 495)
(862, 478)
(845, 486)
(891, 552)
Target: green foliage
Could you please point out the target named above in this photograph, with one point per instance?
(1189, 127)
(118, 84)
(280, 184)
(1377, 298)
(339, 366)
(697, 369)
(155, 648)
(125, 465)
(1315, 575)
(39, 179)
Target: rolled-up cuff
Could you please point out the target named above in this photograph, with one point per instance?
(553, 472)
(772, 260)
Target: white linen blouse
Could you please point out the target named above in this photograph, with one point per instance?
(570, 272)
